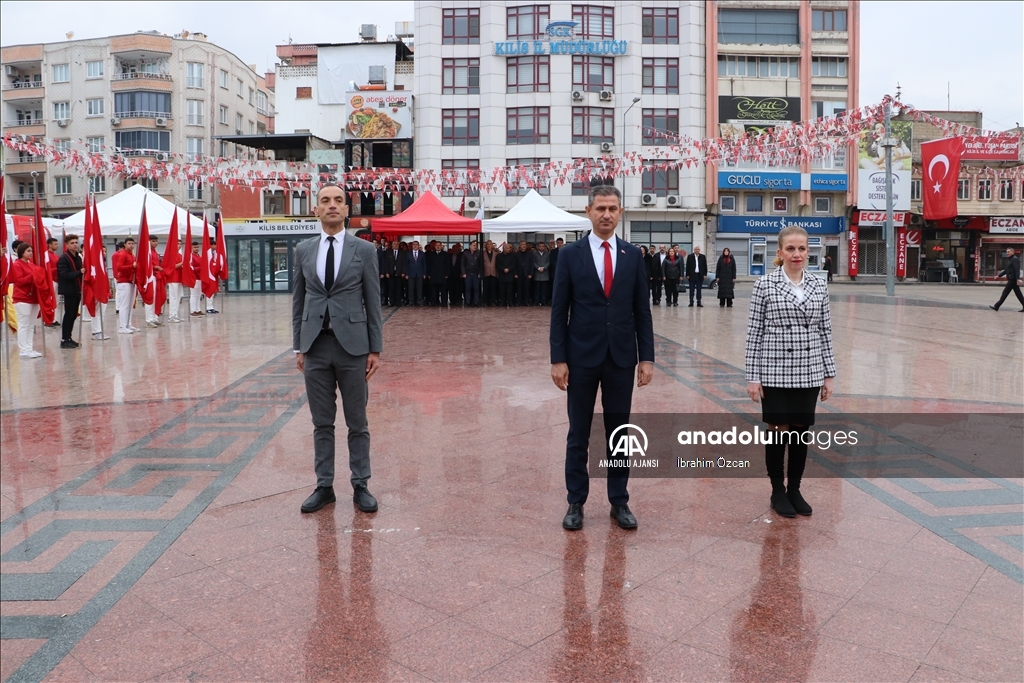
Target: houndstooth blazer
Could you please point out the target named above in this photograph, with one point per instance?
(789, 344)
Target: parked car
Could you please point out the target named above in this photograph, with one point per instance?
(280, 281)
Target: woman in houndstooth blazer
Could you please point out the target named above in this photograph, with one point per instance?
(789, 362)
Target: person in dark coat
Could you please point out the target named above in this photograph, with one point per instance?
(395, 273)
(672, 271)
(437, 275)
(828, 267)
(655, 274)
(1012, 273)
(382, 269)
(725, 273)
(524, 273)
(506, 267)
(455, 285)
(542, 275)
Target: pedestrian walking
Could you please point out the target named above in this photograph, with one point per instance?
(725, 274)
(1013, 275)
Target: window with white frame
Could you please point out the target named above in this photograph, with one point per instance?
(727, 203)
(61, 73)
(915, 190)
(238, 86)
(963, 189)
(62, 146)
(262, 103)
(238, 123)
(750, 66)
(252, 97)
(195, 189)
(194, 112)
(94, 107)
(95, 144)
(94, 69)
(194, 75)
(984, 189)
(62, 184)
(194, 146)
(61, 111)
(97, 184)
(755, 203)
(828, 67)
(222, 79)
(223, 114)
(223, 150)
(252, 128)
(823, 204)
(1006, 190)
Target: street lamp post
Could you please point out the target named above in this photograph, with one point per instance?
(890, 233)
(623, 221)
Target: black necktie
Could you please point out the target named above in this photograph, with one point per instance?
(329, 277)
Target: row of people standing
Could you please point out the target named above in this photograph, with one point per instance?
(666, 269)
(497, 275)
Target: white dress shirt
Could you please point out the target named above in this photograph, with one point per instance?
(696, 264)
(321, 255)
(797, 287)
(598, 251)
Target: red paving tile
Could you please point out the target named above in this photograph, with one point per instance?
(465, 573)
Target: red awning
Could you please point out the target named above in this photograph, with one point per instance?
(427, 216)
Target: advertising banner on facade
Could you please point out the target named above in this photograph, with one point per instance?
(871, 189)
(814, 225)
(996, 148)
(872, 150)
(854, 251)
(379, 115)
(755, 115)
(876, 219)
(1013, 225)
(759, 180)
(901, 252)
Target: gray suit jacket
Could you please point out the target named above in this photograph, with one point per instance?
(354, 300)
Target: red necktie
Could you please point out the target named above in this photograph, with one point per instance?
(607, 270)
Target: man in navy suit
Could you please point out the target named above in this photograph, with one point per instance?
(415, 271)
(600, 327)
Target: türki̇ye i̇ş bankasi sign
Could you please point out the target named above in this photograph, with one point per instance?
(559, 34)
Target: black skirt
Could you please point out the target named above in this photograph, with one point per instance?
(789, 406)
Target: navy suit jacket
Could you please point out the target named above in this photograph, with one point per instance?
(586, 326)
(416, 267)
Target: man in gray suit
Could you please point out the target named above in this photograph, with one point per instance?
(336, 328)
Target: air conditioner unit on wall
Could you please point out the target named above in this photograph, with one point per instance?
(116, 121)
(648, 199)
(161, 121)
(162, 156)
(577, 95)
(473, 204)
(606, 95)
(10, 70)
(63, 123)
(607, 147)
(674, 201)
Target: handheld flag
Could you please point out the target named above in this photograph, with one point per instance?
(188, 276)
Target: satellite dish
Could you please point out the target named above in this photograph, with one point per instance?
(70, 34)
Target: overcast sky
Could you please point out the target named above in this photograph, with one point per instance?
(977, 47)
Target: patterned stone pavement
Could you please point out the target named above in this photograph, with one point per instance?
(150, 526)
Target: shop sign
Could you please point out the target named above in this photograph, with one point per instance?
(854, 244)
(1006, 226)
(560, 41)
(914, 238)
(876, 219)
(772, 110)
(271, 228)
(814, 225)
(828, 182)
(994, 148)
(901, 252)
(758, 180)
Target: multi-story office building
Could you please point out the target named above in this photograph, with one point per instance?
(507, 84)
(144, 94)
(769, 63)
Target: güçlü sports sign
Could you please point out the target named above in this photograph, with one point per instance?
(755, 115)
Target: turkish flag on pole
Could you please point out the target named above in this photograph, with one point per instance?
(144, 279)
(462, 206)
(222, 253)
(940, 165)
(206, 254)
(41, 256)
(5, 258)
(171, 257)
(188, 276)
(88, 264)
(101, 282)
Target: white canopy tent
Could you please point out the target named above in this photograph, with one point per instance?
(533, 213)
(120, 215)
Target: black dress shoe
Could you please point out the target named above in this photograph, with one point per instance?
(691, 305)
(800, 506)
(622, 515)
(700, 305)
(573, 520)
(993, 308)
(363, 500)
(69, 344)
(323, 495)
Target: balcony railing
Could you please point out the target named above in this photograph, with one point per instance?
(25, 122)
(194, 120)
(296, 71)
(23, 85)
(131, 76)
(26, 197)
(143, 115)
(25, 160)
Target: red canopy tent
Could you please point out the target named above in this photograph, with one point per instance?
(427, 216)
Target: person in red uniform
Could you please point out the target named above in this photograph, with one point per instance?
(26, 299)
(195, 299)
(173, 277)
(123, 263)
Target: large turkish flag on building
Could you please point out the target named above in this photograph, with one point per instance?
(940, 166)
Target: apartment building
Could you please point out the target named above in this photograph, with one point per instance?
(768, 64)
(145, 95)
(501, 84)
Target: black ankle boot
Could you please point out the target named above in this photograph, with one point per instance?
(774, 456)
